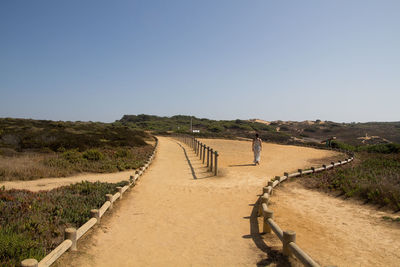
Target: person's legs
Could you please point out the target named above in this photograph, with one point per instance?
(257, 156)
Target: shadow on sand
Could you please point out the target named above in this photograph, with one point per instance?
(242, 165)
(189, 162)
(195, 165)
(273, 256)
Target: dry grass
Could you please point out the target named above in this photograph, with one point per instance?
(30, 165)
(26, 166)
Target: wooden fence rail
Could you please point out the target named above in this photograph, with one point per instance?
(288, 238)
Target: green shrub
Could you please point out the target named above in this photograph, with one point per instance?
(22, 134)
(375, 178)
(215, 128)
(72, 156)
(344, 146)
(93, 155)
(275, 137)
(382, 148)
(15, 247)
(32, 223)
(123, 153)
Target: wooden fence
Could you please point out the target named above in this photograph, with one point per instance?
(72, 235)
(208, 156)
(288, 238)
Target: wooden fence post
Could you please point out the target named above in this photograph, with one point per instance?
(267, 214)
(216, 164)
(70, 233)
(109, 198)
(208, 156)
(95, 214)
(198, 148)
(120, 191)
(288, 237)
(211, 159)
(204, 152)
(29, 263)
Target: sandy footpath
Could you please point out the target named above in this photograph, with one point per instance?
(335, 231)
(50, 183)
(180, 215)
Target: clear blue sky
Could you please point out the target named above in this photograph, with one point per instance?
(289, 60)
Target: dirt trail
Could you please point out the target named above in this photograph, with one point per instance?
(50, 183)
(180, 215)
(337, 231)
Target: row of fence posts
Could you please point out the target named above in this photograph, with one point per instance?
(207, 155)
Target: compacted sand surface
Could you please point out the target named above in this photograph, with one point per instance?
(180, 215)
(51, 183)
(335, 231)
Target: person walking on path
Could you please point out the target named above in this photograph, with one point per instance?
(257, 147)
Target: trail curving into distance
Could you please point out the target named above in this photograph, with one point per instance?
(181, 215)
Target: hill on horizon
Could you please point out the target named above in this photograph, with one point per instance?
(308, 131)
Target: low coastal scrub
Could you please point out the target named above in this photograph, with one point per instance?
(32, 149)
(29, 166)
(378, 148)
(32, 223)
(24, 135)
(374, 177)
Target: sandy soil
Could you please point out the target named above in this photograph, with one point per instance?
(50, 183)
(335, 231)
(180, 215)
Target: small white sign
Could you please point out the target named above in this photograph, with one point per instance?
(196, 131)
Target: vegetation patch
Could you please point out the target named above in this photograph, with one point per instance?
(32, 149)
(32, 223)
(208, 128)
(373, 177)
(356, 134)
(29, 166)
(378, 148)
(391, 219)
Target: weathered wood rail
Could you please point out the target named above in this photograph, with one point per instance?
(288, 238)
